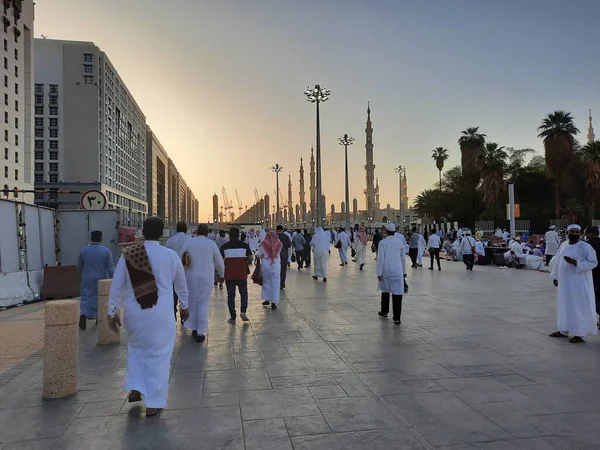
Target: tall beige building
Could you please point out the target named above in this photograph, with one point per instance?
(17, 96)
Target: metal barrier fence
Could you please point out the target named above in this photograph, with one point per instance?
(487, 226)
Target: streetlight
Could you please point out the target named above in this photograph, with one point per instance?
(346, 141)
(401, 171)
(318, 95)
(277, 168)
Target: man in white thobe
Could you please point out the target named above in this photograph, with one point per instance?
(572, 274)
(177, 244)
(552, 243)
(480, 253)
(320, 244)
(205, 259)
(289, 261)
(143, 282)
(517, 252)
(422, 245)
(344, 240)
(391, 272)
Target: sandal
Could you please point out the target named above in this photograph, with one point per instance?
(576, 340)
(151, 412)
(135, 396)
(558, 334)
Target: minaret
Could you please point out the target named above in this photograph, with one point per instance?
(404, 193)
(591, 137)
(355, 208)
(215, 200)
(302, 217)
(370, 167)
(377, 205)
(290, 201)
(313, 187)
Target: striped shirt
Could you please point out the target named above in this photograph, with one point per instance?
(236, 253)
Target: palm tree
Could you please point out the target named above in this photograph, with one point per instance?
(492, 162)
(471, 142)
(440, 155)
(558, 131)
(591, 156)
(571, 211)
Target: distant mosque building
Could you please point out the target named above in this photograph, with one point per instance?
(303, 214)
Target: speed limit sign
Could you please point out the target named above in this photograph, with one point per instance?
(93, 199)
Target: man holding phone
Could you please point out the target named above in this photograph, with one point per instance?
(572, 274)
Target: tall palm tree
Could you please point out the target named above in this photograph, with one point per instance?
(440, 155)
(558, 132)
(471, 142)
(591, 156)
(492, 162)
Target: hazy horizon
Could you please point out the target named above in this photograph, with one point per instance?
(221, 83)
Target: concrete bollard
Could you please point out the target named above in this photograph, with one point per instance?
(105, 335)
(61, 348)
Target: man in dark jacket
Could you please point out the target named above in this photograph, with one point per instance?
(287, 243)
(307, 238)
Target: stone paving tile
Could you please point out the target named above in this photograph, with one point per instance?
(471, 367)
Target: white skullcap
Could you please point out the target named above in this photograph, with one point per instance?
(573, 226)
(468, 232)
(517, 238)
(553, 227)
(391, 227)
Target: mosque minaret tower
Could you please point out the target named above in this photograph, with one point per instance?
(370, 191)
(591, 137)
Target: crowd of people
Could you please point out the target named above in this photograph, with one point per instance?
(153, 282)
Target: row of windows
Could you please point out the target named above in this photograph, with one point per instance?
(39, 122)
(16, 156)
(6, 190)
(52, 178)
(6, 173)
(52, 110)
(39, 144)
(53, 155)
(16, 102)
(52, 132)
(52, 89)
(6, 67)
(6, 137)
(39, 167)
(39, 100)
(16, 50)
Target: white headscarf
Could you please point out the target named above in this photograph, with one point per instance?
(573, 226)
(321, 240)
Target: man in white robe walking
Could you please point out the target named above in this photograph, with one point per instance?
(205, 259)
(343, 242)
(320, 244)
(143, 281)
(572, 274)
(391, 272)
(177, 244)
(552, 241)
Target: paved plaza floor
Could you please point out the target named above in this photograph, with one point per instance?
(471, 367)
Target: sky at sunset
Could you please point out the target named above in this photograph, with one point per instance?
(221, 81)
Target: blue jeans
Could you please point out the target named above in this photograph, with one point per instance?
(242, 285)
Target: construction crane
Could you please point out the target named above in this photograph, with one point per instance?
(240, 206)
(226, 203)
(256, 195)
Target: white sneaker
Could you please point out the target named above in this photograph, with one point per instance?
(244, 317)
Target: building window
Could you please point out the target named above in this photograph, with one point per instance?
(39, 144)
(53, 110)
(6, 99)
(53, 167)
(53, 101)
(53, 89)
(88, 57)
(16, 157)
(16, 54)
(88, 68)
(39, 122)
(39, 88)
(54, 122)
(5, 153)
(39, 110)
(54, 145)
(5, 116)
(5, 80)
(6, 135)
(53, 133)
(5, 63)
(17, 88)
(39, 99)
(16, 139)
(39, 178)
(16, 174)
(39, 132)
(17, 123)
(88, 79)
(5, 171)
(17, 105)
(39, 154)
(17, 71)
(5, 45)
(39, 167)
(53, 155)
(15, 190)
(53, 178)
